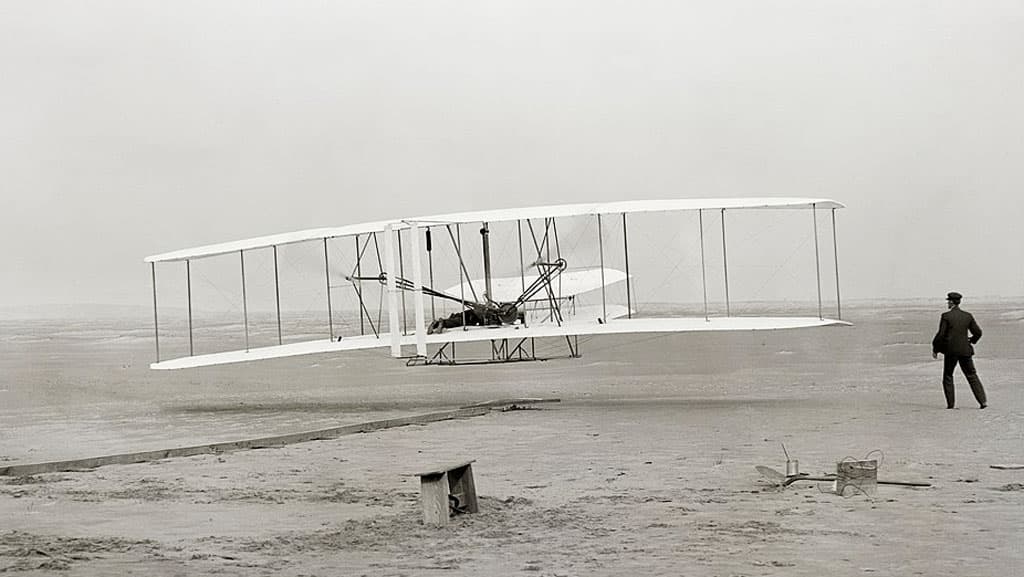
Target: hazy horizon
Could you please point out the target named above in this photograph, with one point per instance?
(56, 311)
(138, 127)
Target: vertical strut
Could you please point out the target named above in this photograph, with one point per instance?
(703, 273)
(835, 254)
(188, 287)
(600, 250)
(401, 273)
(417, 295)
(327, 276)
(245, 302)
(625, 249)
(462, 269)
(156, 324)
(540, 247)
(485, 233)
(817, 259)
(359, 283)
(522, 266)
(389, 260)
(430, 266)
(558, 251)
(547, 238)
(725, 264)
(277, 296)
(380, 295)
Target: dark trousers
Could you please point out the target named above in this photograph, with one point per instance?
(949, 363)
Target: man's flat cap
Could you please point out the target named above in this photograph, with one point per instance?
(954, 296)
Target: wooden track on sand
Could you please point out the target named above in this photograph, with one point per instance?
(223, 447)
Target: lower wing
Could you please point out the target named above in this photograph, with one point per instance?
(577, 326)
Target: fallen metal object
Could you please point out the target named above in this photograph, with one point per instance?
(786, 480)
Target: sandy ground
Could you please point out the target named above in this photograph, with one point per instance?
(645, 467)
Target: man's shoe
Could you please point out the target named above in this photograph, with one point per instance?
(982, 407)
(950, 407)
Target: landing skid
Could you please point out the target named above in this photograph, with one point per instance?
(502, 351)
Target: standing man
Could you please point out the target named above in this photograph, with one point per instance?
(953, 342)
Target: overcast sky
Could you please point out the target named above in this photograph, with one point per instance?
(130, 127)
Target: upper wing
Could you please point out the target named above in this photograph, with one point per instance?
(556, 211)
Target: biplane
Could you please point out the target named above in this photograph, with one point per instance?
(504, 278)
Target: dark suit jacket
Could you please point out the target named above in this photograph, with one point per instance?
(952, 337)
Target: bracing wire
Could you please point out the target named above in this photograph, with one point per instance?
(778, 269)
(646, 239)
(232, 300)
